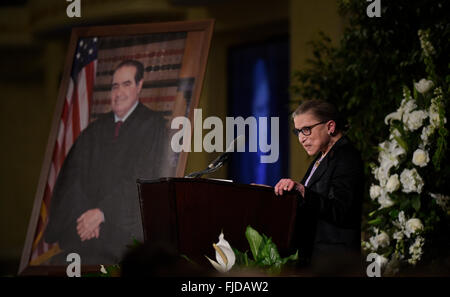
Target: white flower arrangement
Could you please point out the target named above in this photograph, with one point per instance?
(400, 223)
(411, 181)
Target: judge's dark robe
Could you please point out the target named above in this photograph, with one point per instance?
(329, 215)
(101, 172)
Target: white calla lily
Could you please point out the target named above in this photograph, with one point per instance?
(224, 255)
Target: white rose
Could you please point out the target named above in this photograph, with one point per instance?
(420, 158)
(414, 120)
(412, 226)
(375, 191)
(383, 239)
(423, 85)
(407, 181)
(393, 183)
(411, 181)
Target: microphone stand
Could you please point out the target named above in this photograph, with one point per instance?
(213, 167)
(219, 161)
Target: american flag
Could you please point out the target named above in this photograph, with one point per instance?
(74, 118)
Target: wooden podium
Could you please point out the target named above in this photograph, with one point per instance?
(189, 214)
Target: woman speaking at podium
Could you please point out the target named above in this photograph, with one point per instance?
(328, 232)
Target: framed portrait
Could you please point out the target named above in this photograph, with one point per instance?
(121, 87)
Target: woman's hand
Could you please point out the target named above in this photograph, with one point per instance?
(287, 184)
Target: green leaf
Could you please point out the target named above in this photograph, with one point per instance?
(254, 240)
(394, 213)
(242, 258)
(113, 270)
(134, 244)
(405, 203)
(269, 253)
(293, 257)
(375, 221)
(416, 202)
(402, 143)
(187, 259)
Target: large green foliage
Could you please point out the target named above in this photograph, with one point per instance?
(264, 251)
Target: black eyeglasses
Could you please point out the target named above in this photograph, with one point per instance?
(306, 130)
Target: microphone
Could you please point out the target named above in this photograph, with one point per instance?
(234, 145)
(220, 160)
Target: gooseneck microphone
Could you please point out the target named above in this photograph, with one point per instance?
(215, 165)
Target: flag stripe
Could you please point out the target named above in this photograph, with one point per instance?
(83, 110)
(74, 118)
(75, 123)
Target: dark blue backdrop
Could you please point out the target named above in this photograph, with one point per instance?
(259, 87)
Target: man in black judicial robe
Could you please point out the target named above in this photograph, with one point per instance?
(95, 208)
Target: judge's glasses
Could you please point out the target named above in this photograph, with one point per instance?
(306, 130)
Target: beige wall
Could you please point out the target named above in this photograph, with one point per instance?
(29, 96)
(307, 19)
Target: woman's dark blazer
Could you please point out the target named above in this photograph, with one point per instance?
(329, 215)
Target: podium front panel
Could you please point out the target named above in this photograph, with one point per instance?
(189, 214)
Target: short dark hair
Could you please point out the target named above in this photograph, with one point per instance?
(136, 64)
(322, 110)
